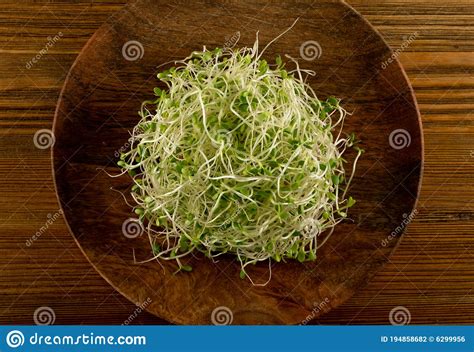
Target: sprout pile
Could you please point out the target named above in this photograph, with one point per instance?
(238, 156)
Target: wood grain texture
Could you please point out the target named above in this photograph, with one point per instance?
(431, 272)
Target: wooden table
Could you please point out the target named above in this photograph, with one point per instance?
(431, 272)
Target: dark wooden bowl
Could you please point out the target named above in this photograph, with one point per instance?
(98, 107)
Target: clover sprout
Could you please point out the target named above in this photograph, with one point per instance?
(238, 155)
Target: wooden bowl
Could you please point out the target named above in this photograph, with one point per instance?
(116, 71)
